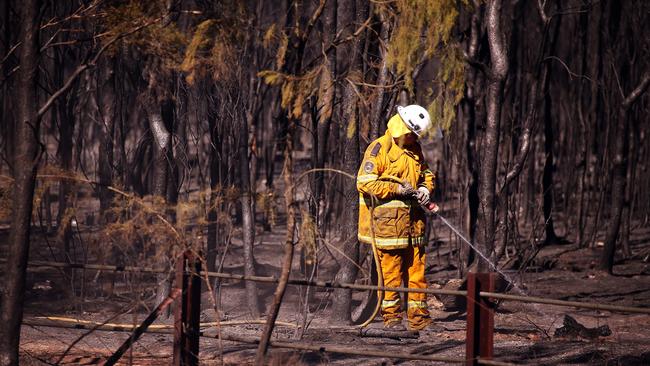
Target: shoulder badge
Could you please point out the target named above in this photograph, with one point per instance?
(375, 150)
(368, 166)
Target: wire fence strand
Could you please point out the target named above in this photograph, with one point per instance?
(575, 304)
(353, 286)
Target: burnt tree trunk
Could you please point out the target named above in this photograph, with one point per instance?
(598, 22)
(269, 141)
(619, 170)
(247, 168)
(322, 119)
(248, 220)
(582, 159)
(215, 162)
(486, 226)
(349, 123)
(174, 125)
(106, 104)
(325, 104)
(382, 80)
(25, 163)
(64, 116)
(161, 144)
(7, 108)
(469, 105)
(106, 99)
(285, 271)
(547, 177)
(293, 65)
(628, 212)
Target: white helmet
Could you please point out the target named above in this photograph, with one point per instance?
(415, 117)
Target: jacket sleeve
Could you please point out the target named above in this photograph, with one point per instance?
(373, 165)
(427, 178)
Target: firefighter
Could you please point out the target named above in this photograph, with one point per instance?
(394, 183)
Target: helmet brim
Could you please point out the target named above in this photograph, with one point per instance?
(410, 125)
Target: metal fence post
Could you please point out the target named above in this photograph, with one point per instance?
(187, 311)
(480, 318)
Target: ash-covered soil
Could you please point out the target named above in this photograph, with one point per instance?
(524, 333)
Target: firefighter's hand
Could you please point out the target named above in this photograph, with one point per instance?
(406, 190)
(422, 195)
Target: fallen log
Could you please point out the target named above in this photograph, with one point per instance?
(572, 329)
(388, 333)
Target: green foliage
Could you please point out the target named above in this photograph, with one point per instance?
(423, 31)
(308, 237)
(451, 76)
(269, 35)
(163, 41)
(271, 77)
(200, 44)
(295, 90)
(213, 48)
(277, 39)
(217, 46)
(299, 90)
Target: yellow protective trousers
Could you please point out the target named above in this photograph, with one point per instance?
(404, 265)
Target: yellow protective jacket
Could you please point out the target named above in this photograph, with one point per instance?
(397, 222)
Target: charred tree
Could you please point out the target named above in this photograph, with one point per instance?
(349, 12)
(7, 69)
(382, 79)
(248, 219)
(547, 178)
(214, 168)
(25, 163)
(161, 141)
(269, 141)
(161, 144)
(619, 172)
(285, 271)
(582, 159)
(324, 106)
(468, 106)
(293, 65)
(63, 116)
(106, 105)
(549, 138)
(486, 225)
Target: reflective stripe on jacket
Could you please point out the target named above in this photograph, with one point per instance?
(398, 223)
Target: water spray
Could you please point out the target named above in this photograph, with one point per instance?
(460, 235)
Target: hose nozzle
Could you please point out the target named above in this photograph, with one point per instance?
(433, 207)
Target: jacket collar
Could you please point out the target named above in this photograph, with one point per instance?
(395, 151)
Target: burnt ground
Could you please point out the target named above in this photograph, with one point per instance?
(524, 333)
